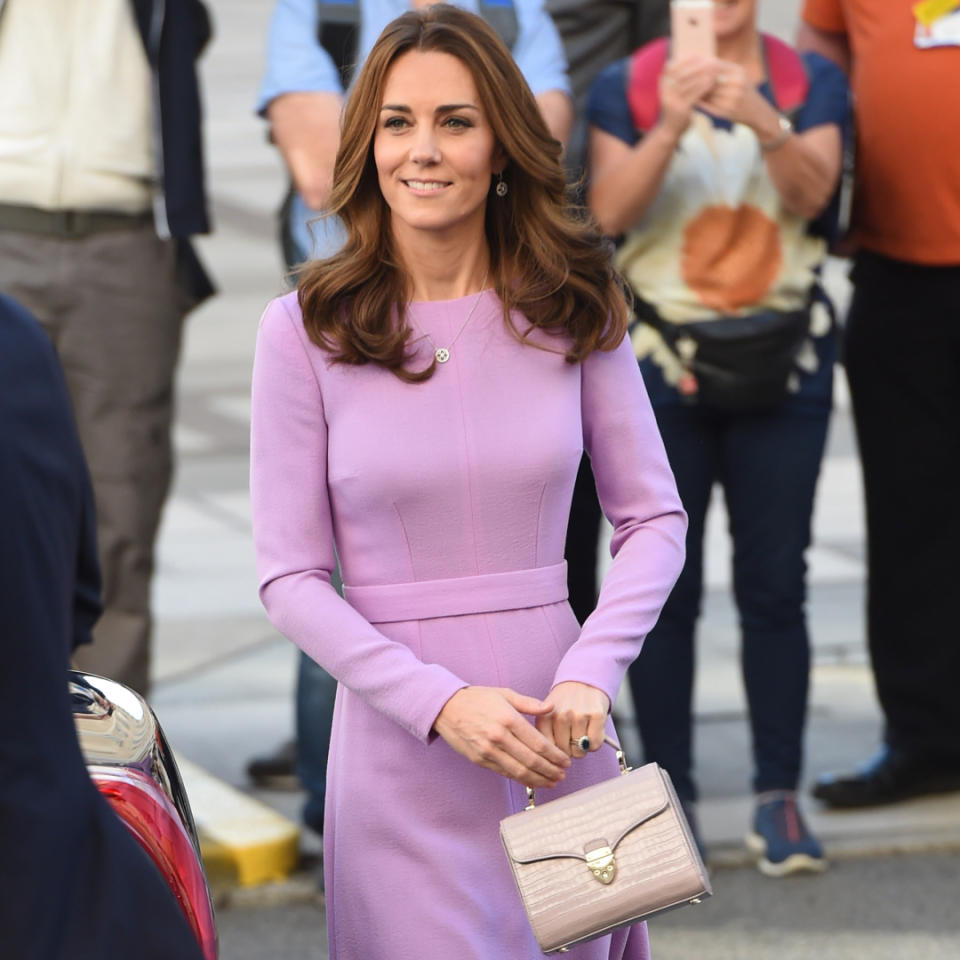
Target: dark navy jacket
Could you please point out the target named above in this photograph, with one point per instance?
(74, 883)
(174, 33)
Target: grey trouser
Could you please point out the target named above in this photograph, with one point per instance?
(112, 306)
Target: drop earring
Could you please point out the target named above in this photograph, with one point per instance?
(501, 187)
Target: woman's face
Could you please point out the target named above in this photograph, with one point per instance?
(434, 148)
(732, 16)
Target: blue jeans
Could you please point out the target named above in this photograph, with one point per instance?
(316, 691)
(768, 465)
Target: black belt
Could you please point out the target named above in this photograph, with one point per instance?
(68, 223)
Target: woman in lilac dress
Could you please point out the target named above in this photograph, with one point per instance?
(420, 405)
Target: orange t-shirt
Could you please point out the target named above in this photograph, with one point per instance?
(907, 110)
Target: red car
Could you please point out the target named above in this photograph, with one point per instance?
(130, 762)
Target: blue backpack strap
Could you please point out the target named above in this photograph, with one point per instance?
(643, 78)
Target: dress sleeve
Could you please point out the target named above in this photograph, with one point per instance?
(828, 100)
(293, 539)
(639, 497)
(607, 106)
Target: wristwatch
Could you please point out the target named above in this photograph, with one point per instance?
(786, 131)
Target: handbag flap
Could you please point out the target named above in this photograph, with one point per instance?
(605, 812)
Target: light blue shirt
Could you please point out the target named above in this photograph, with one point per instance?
(297, 63)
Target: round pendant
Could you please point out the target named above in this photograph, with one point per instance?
(442, 354)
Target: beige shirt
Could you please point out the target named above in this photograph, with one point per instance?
(75, 107)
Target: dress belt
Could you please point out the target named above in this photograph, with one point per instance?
(459, 596)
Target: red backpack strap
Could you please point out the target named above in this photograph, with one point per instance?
(789, 80)
(643, 77)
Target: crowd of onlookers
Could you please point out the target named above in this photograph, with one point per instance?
(723, 163)
(724, 179)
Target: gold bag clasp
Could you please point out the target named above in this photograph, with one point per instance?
(602, 864)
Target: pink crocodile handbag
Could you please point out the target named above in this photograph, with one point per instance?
(604, 857)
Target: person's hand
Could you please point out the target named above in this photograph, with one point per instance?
(577, 710)
(487, 726)
(305, 126)
(683, 84)
(733, 97)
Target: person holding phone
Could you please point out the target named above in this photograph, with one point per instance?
(715, 157)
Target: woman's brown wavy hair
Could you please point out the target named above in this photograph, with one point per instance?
(547, 260)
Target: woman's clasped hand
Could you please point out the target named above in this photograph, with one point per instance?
(489, 726)
(577, 710)
(420, 404)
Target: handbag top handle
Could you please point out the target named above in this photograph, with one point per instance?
(610, 742)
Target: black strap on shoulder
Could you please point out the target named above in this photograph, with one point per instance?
(338, 29)
(502, 16)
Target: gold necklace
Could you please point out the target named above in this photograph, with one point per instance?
(443, 353)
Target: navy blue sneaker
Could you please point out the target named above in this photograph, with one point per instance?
(781, 839)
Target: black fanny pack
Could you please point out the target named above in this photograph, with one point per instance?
(740, 363)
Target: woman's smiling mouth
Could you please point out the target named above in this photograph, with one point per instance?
(426, 186)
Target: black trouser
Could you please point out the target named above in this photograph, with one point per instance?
(903, 364)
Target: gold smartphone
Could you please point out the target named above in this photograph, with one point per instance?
(691, 28)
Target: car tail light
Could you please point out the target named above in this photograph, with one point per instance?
(153, 820)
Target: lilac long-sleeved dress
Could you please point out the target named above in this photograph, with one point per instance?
(448, 503)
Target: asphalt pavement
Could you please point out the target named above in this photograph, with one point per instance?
(895, 908)
(224, 679)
